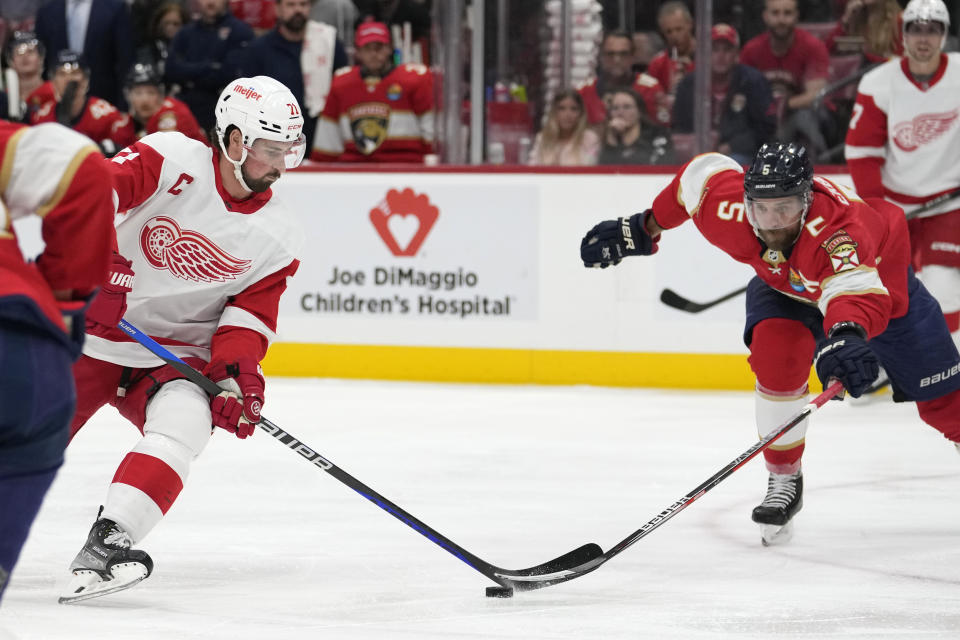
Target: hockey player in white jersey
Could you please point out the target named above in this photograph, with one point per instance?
(211, 250)
(904, 144)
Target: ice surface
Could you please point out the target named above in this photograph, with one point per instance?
(263, 545)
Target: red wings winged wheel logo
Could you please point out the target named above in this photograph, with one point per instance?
(923, 129)
(187, 254)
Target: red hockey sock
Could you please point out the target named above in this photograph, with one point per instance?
(152, 476)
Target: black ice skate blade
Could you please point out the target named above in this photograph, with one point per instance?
(125, 575)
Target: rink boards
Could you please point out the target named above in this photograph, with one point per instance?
(476, 277)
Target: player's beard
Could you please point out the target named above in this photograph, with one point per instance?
(780, 239)
(259, 185)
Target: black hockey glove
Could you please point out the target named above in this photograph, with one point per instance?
(846, 356)
(608, 242)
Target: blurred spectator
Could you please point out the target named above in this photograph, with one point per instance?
(673, 63)
(631, 139)
(376, 112)
(204, 57)
(74, 107)
(614, 73)
(19, 15)
(396, 12)
(25, 56)
(167, 19)
(795, 64)
(646, 45)
(871, 27)
(565, 139)
(340, 14)
(742, 109)
(261, 15)
(99, 29)
(281, 52)
(152, 111)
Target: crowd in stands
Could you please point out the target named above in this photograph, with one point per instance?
(116, 70)
(793, 78)
(119, 69)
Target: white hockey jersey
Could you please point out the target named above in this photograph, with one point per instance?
(904, 137)
(205, 263)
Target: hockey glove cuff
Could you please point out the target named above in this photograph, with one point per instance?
(237, 408)
(846, 356)
(612, 240)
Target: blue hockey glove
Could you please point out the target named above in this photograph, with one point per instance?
(610, 241)
(846, 356)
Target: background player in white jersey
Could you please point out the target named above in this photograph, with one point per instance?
(212, 250)
(904, 144)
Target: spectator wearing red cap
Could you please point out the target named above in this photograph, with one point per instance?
(795, 64)
(741, 108)
(376, 112)
(615, 72)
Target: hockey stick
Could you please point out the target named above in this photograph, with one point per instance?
(521, 579)
(927, 206)
(673, 299)
(594, 563)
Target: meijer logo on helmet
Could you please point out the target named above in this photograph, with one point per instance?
(247, 92)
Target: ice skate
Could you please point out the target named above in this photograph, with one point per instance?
(775, 514)
(106, 564)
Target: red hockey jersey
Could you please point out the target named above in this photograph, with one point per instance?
(60, 176)
(100, 121)
(850, 259)
(174, 115)
(387, 119)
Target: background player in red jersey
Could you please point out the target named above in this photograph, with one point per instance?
(903, 144)
(152, 111)
(73, 107)
(376, 112)
(212, 250)
(58, 175)
(833, 285)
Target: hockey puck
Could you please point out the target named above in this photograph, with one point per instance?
(499, 592)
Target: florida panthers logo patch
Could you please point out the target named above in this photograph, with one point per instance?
(187, 254)
(842, 250)
(923, 129)
(368, 124)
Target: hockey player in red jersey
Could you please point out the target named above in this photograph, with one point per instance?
(833, 285)
(903, 144)
(73, 107)
(376, 112)
(59, 176)
(152, 111)
(204, 253)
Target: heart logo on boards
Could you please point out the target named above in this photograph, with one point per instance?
(403, 219)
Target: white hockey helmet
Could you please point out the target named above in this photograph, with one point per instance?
(927, 11)
(261, 107)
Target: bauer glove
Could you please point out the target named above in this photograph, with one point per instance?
(610, 241)
(846, 356)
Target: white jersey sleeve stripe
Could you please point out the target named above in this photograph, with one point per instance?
(237, 317)
(854, 282)
(855, 153)
(694, 178)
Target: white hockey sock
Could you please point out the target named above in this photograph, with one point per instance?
(773, 408)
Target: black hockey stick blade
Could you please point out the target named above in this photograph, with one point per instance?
(673, 299)
(520, 580)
